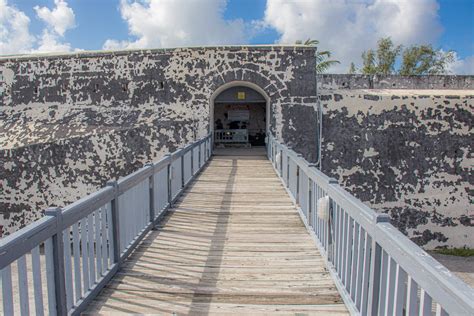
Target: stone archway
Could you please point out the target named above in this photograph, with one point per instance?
(236, 84)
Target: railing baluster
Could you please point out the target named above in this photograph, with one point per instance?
(85, 256)
(103, 221)
(192, 162)
(151, 183)
(58, 263)
(115, 225)
(23, 286)
(77, 260)
(98, 243)
(373, 294)
(50, 279)
(425, 303)
(412, 306)
(348, 247)
(199, 158)
(309, 203)
(366, 274)
(169, 175)
(360, 267)
(338, 235)
(440, 311)
(384, 281)
(355, 259)
(400, 291)
(7, 291)
(182, 171)
(390, 292)
(344, 250)
(37, 282)
(68, 268)
(135, 212)
(90, 231)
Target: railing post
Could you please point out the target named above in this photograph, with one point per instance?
(288, 169)
(182, 168)
(375, 269)
(58, 262)
(297, 197)
(209, 148)
(330, 229)
(310, 199)
(115, 223)
(211, 145)
(281, 162)
(199, 158)
(151, 181)
(168, 173)
(192, 160)
(374, 278)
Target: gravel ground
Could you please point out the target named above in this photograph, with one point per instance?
(463, 267)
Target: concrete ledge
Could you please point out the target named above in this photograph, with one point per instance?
(98, 53)
(348, 81)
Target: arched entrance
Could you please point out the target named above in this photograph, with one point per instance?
(239, 115)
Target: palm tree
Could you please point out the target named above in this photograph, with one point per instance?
(323, 63)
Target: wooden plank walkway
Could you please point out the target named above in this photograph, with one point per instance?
(233, 244)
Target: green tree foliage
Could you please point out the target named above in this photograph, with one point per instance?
(352, 69)
(368, 62)
(424, 60)
(383, 60)
(415, 60)
(386, 55)
(323, 61)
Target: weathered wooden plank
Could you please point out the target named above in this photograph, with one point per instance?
(221, 308)
(246, 297)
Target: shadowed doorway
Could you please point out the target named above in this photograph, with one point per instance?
(239, 118)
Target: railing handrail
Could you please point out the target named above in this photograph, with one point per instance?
(442, 285)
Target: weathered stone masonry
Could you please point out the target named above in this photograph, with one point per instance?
(407, 152)
(69, 123)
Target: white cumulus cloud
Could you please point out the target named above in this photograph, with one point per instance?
(58, 20)
(169, 23)
(462, 66)
(347, 28)
(15, 36)
(51, 42)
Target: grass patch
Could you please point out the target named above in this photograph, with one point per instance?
(460, 252)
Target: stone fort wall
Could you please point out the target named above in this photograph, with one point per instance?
(69, 123)
(407, 153)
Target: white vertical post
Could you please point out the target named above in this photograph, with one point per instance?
(58, 263)
(23, 286)
(7, 292)
(37, 284)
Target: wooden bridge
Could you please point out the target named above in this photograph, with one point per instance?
(238, 233)
(233, 243)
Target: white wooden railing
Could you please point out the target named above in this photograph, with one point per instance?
(377, 269)
(59, 263)
(231, 136)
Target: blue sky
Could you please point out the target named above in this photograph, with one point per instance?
(346, 27)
